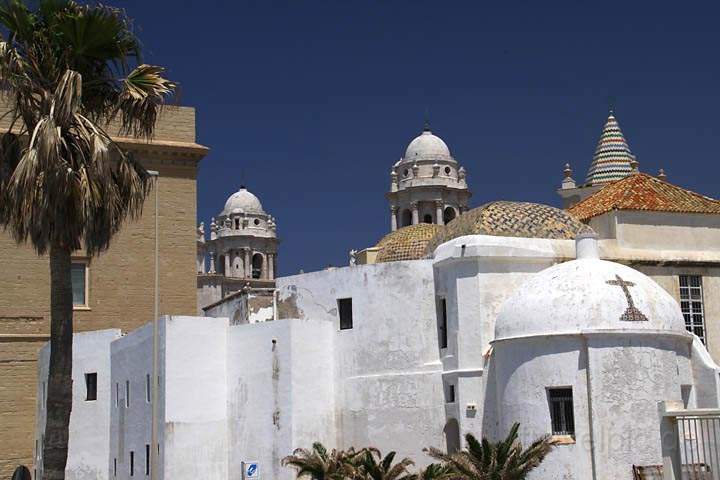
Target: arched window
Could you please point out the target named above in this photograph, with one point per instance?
(406, 218)
(257, 264)
(452, 436)
(448, 215)
(427, 218)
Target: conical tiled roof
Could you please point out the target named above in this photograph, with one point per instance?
(643, 192)
(612, 159)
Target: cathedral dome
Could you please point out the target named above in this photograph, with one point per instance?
(426, 145)
(407, 243)
(512, 219)
(587, 294)
(242, 201)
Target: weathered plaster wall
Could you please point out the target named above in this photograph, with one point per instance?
(281, 393)
(130, 412)
(524, 371)
(629, 376)
(89, 446)
(195, 398)
(668, 231)
(387, 368)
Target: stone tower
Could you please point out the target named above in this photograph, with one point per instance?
(427, 184)
(241, 251)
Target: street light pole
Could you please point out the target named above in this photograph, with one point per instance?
(154, 447)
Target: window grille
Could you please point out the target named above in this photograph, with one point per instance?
(561, 411)
(691, 304)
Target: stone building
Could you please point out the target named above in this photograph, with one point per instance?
(112, 290)
(240, 255)
(427, 185)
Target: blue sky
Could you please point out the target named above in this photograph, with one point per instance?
(312, 102)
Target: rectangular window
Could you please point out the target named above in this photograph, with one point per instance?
(114, 467)
(147, 388)
(127, 393)
(117, 394)
(90, 386)
(132, 464)
(42, 396)
(450, 394)
(691, 304)
(345, 312)
(442, 322)
(79, 274)
(147, 459)
(561, 411)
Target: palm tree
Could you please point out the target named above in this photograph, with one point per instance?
(504, 460)
(435, 471)
(66, 71)
(318, 464)
(381, 468)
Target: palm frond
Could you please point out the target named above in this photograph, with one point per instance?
(141, 98)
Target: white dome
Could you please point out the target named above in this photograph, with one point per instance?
(426, 145)
(242, 201)
(576, 296)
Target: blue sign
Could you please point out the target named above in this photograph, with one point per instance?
(251, 470)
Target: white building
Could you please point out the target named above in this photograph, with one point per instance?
(511, 312)
(494, 328)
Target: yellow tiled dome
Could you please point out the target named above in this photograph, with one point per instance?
(407, 243)
(511, 219)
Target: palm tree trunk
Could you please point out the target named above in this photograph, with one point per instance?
(59, 391)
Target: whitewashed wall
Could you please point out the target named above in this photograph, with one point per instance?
(280, 392)
(387, 369)
(89, 445)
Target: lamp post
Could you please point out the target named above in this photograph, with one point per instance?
(154, 447)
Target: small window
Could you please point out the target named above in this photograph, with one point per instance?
(90, 386)
(450, 393)
(427, 218)
(442, 322)
(147, 388)
(147, 459)
(127, 393)
(117, 394)
(132, 463)
(237, 224)
(691, 304)
(447, 170)
(257, 222)
(561, 411)
(114, 467)
(345, 312)
(79, 274)
(42, 396)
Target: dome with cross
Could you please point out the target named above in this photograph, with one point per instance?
(588, 295)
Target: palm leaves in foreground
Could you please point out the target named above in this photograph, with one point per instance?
(65, 70)
(319, 464)
(373, 466)
(504, 460)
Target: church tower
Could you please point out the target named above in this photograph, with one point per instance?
(427, 185)
(241, 251)
(612, 161)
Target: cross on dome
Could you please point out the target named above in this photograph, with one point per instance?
(631, 314)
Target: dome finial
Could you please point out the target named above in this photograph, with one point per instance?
(611, 104)
(426, 121)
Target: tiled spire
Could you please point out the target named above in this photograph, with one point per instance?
(613, 158)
